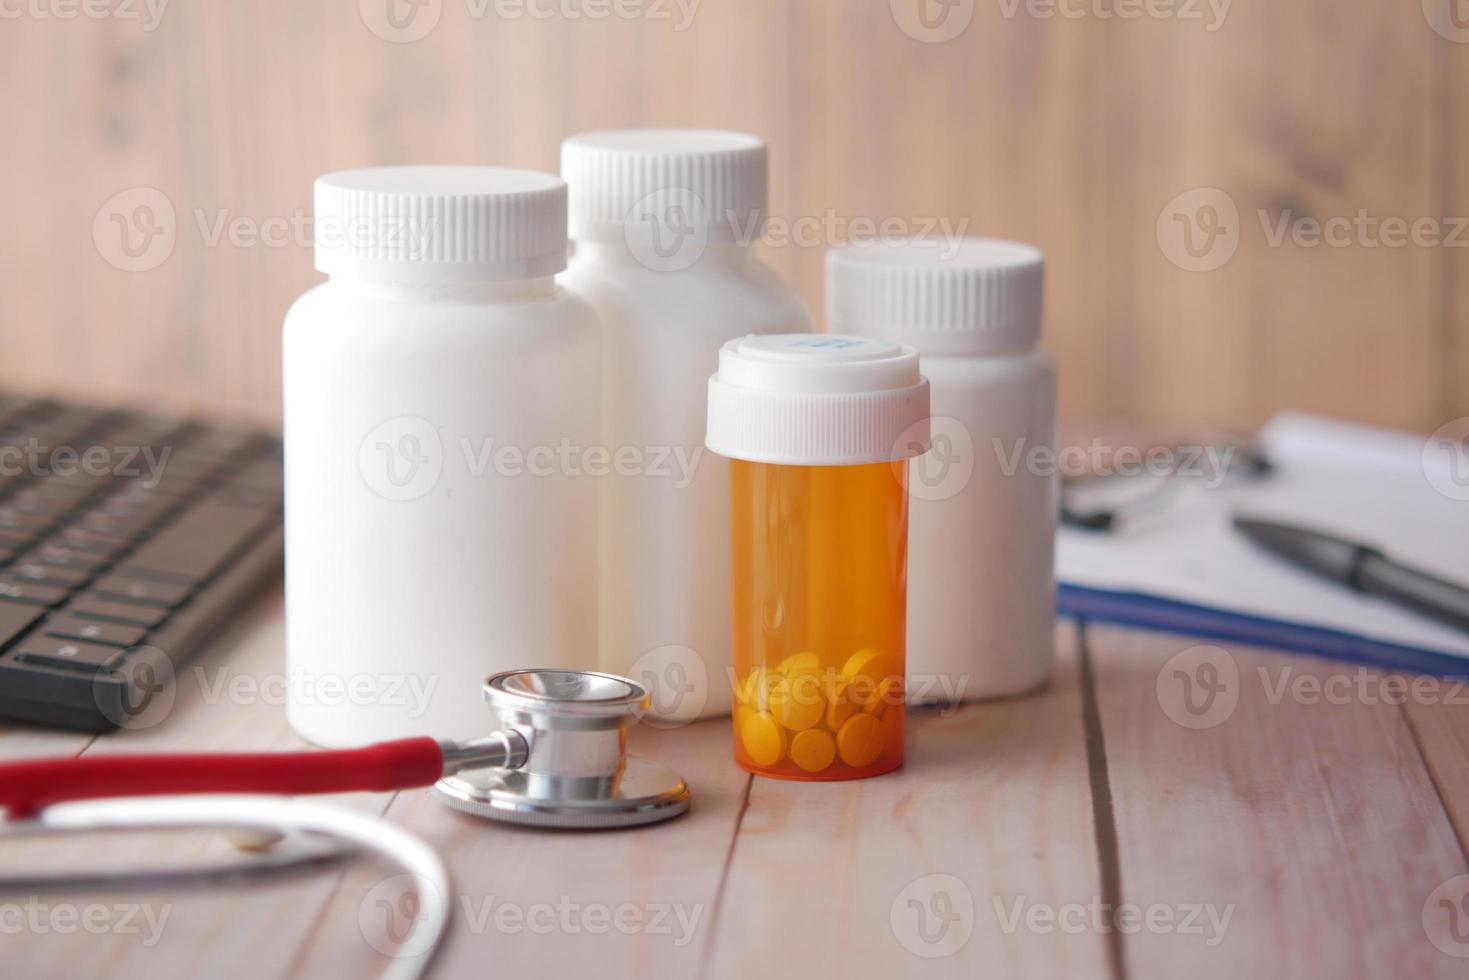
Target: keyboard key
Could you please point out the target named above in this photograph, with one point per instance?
(13, 521)
(112, 634)
(198, 544)
(78, 483)
(261, 475)
(90, 606)
(129, 500)
(42, 505)
(19, 590)
(60, 556)
(50, 651)
(226, 443)
(136, 451)
(248, 496)
(66, 578)
(125, 589)
(100, 522)
(15, 619)
(141, 510)
(188, 467)
(81, 539)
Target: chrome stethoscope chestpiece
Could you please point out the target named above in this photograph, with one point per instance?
(566, 762)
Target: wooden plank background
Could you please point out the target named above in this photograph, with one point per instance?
(1074, 131)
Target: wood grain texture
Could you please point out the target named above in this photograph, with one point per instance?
(1450, 142)
(1287, 800)
(1074, 132)
(1307, 816)
(1296, 113)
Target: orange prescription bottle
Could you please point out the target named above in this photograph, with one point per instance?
(819, 430)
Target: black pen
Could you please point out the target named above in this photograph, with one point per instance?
(1361, 567)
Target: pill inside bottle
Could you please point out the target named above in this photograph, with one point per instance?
(819, 430)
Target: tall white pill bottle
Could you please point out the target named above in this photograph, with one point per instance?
(981, 580)
(439, 387)
(665, 224)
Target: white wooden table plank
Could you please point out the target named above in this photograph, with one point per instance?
(885, 877)
(1303, 812)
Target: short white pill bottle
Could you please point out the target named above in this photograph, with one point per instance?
(665, 224)
(439, 387)
(981, 580)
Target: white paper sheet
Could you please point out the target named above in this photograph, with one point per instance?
(1364, 483)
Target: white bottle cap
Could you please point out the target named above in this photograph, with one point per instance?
(440, 224)
(966, 296)
(715, 179)
(811, 399)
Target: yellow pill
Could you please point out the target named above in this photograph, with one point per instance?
(860, 740)
(869, 664)
(754, 690)
(840, 705)
(797, 702)
(800, 663)
(888, 696)
(813, 750)
(763, 739)
(861, 690)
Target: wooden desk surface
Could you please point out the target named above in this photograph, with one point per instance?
(1119, 824)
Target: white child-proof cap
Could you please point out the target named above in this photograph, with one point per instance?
(710, 180)
(815, 399)
(440, 224)
(964, 296)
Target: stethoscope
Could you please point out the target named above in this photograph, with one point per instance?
(558, 760)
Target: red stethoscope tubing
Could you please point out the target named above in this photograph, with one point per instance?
(31, 785)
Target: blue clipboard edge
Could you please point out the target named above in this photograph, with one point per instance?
(1152, 612)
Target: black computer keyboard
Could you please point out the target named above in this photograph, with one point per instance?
(125, 541)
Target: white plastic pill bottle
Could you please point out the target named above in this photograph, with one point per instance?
(439, 391)
(665, 225)
(981, 580)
